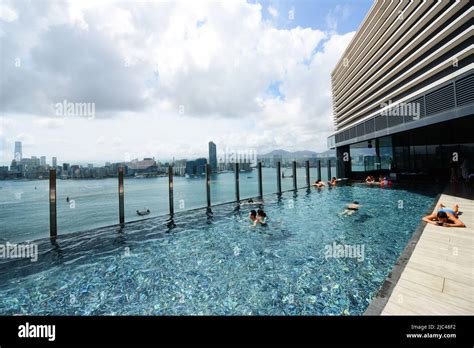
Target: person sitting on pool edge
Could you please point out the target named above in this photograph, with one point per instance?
(319, 184)
(332, 182)
(445, 217)
(370, 180)
(384, 182)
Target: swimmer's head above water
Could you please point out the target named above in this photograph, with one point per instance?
(353, 206)
(253, 215)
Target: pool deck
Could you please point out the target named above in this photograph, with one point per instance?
(438, 277)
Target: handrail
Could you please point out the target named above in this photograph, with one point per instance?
(121, 191)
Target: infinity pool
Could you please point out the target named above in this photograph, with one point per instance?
(216, 264)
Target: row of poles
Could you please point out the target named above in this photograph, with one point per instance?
(52, 189)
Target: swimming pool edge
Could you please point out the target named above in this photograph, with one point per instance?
(380, 300)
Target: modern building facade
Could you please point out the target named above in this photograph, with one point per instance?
(213, 156)
(403, 92)
(18, 155)
(196, 167)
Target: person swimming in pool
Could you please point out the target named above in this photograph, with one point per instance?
(319, 184)
(261, 217)
(445, 217)
(351, 208)
(251, 201)
(370, 180)
(258, 217)
(253, 216)
(332, 182)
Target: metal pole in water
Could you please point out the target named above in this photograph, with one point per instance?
(319, 169)
(121, 194)
(208, 184)
(308, 181)
(53, 226)
(237, 188)
(329, 169)
(170, 189)
(260, 183)
(294, 176)
(279, 177)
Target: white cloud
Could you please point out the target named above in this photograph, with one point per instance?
(48, 122)
(7, 13)
(273, 11)
(140, 62)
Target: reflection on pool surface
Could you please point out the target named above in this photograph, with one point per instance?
(219, 265)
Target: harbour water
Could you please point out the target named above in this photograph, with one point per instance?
(24, 205)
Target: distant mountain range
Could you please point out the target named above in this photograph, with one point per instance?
(298, 154)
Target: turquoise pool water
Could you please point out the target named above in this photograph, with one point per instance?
(217, 264)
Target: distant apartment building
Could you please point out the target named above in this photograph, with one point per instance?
(43, 160)
(179, 167)
(196, 167)
(65, 170)
(213, 156)
(18, 154)
(4, 172)
(35, 161)
(75, 171)
(54, 162)
(145, 167)
(403, 91)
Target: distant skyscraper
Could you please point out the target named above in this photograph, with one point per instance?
(18, 155)
(55, 162)
(213, 156)
(43, 160)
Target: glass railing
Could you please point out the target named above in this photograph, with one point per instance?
(83, 204)
(24, 210)
(144, 197)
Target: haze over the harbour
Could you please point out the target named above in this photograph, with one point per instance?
(165, 78)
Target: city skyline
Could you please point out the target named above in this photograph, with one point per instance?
(23, 167)
(53, 160)
(50, 158)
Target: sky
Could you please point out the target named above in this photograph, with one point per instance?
(93, 81)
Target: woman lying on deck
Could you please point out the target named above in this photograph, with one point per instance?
(445, 217)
